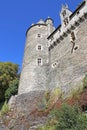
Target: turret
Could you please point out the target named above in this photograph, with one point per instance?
(49, 22)
(34, 75)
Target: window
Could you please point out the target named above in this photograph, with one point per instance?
(72, 36)
(39, 61)
(65, 21)
(39, 47)
(54, 65)
(64, 13)
(39, 35)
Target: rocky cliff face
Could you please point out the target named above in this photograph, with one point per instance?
(32, 113)
(23, 112)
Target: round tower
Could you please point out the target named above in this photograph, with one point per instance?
(34, 75)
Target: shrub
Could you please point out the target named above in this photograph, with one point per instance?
(5, 109)
(55, 94)
(70, 118)
(66, 118)
(47, 96)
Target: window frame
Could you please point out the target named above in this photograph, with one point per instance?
(39, 47)
(39, 61)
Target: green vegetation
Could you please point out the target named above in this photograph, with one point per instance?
(49, 97)
(8, 80)
(5, 109)
(70, 118)
(66, 118)
(12, 90)
(56, 93)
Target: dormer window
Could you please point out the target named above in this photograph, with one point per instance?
(64, 13)
(66, 21)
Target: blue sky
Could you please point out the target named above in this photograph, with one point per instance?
(15, 18)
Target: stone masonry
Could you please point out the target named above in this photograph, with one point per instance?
(56, 57)
(52, 58)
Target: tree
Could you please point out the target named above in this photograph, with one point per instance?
(12, 89)
(8, 73)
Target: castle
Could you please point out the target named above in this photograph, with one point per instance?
(56, 57)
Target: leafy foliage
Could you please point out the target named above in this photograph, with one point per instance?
(8, 73)
(66, 118)
(5, 109)
(70, 118)
(12, 90)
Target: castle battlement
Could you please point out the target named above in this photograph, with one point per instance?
(75, 19)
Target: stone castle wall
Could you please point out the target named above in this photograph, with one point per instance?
(68, 68)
